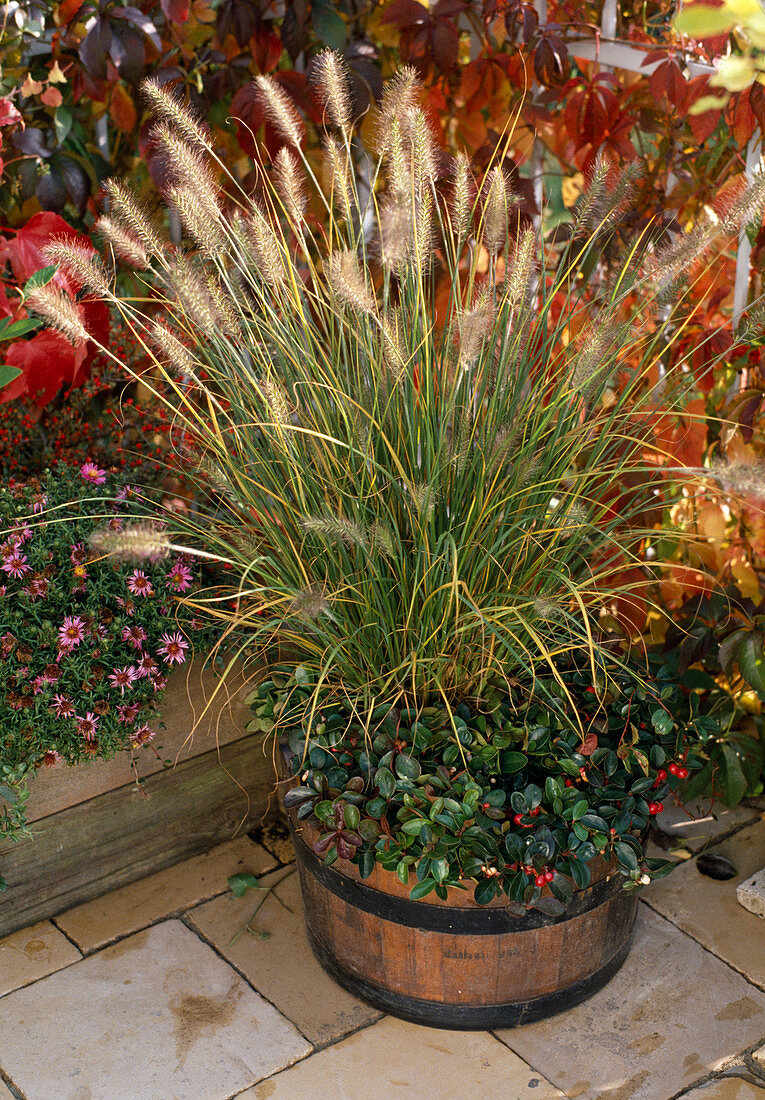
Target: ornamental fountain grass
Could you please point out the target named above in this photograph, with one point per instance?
(422, 436)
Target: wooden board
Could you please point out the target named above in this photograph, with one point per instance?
(124, 834)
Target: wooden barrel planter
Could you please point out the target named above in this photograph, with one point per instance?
(455, 964)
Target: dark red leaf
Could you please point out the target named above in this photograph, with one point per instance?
(177, 11)
(668, 80)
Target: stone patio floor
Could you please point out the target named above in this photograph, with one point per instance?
(159, 991)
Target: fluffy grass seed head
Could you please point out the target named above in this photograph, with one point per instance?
(125, 245)
(265, 248)
(347, 281)
(311, 603)
(135, 542)
(335, 529)
(400, 96)
(329, 74)
(58, 309)
(169, 107)
(495, 210)
(462, 197)
(280, 110)
(79, 261)
(125, 208)
(290, 186)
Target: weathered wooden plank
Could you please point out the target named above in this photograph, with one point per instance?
(188, 691)
(124, 834)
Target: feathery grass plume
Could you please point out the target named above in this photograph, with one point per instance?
(338, 167)
(502, 449)
(311, 603)
(748, 206)
(463, 426)
(399, 165)
(584, 216)
(396, 228)
(280, 110)
(569, 518)
(125, 245)
(394, 352)
(425, 498)
(495, 208)
(205, 230)
(135, 542)
(424, 153)
(265, 247)
(548, 610)
(400, 95)
(347, 281)
(462, 197)
(423, 236)
(381, 539)
(189, 168)
(80, 261)
(124, 206)
(474, 327)
(216, 478)
(329, 74)
(176, 354)
(290, 186)
(194, 295)
(739, 477)
(337, 529)
(224, 303)
(59, 311)
(599, 354)
(520, 268)
(169, 107)
(276, 400)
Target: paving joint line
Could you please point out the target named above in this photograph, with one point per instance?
(8, 1082)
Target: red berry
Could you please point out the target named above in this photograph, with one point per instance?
(569, 783)
(682, 773)
(518, 819)
(535, 811)
(653, 807)
(674, 768)
(540, 880)
(661, 775)
(485, 805)
(549, 875)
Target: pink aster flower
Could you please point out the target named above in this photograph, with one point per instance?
(78, 553)
(159, 683)
(128, 712)
(178, 578)
(71, 632)
(38, 588)
(92, 473)
(51, 757)
(126, 492)
(141, 735)
(87, 726)
(62, 707)
(139, 584)
(136, 635)
(40, 503)
(146, 666)
(173, 648)
(123, 678)
(15, 564)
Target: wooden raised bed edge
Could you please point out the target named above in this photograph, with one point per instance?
(94, 829)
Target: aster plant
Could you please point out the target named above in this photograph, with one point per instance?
(87, 638)
(422, 435)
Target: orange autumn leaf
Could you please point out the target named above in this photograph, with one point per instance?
(122, 109)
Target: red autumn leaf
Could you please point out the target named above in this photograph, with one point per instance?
(266, 49)
(8, 113)
(67, 10)
(427, 34)
(25, 250)
(52, 97)
(740, 117)
(47, 361)
(703, 125)
(668, 80)
(551, 61)
(713, 344)
(588, 746)
(176, 11)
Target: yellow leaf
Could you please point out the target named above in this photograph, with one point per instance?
(572, 188)
(30, 86)
(56, 74)
(746, 579)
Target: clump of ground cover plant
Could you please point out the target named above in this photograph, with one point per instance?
(86, 640)
(426, 440)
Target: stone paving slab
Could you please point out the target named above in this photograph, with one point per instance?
(672, 1014)
(282, 966)
(5, 1092)
(394, 1060)
(700, 822)
(726, 1088)
(708, 910)
(139, 904)
(32, 953)
(156, 1017)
